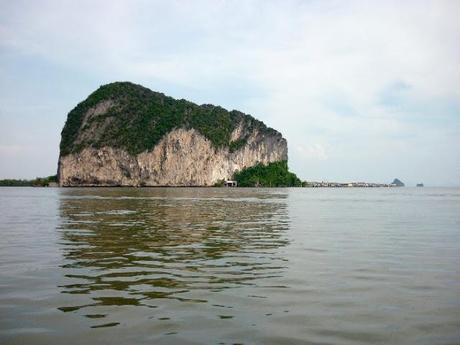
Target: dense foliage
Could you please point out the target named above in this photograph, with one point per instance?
(139, 118)
(272, 175)
(37, 182)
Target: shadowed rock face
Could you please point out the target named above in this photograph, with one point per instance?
(183, 156)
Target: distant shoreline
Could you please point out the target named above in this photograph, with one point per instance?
(324, 185)
(51, 181)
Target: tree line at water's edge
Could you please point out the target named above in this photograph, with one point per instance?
(274, 174)
(37, 182)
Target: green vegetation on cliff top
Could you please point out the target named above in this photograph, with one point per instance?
(272, 175)
(139, 118)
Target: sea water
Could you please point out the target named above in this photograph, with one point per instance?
(229, 266)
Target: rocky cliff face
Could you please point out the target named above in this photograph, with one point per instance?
(196, 150)
(182, 158)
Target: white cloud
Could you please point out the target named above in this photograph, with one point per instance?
(313, 151)
(12, 151)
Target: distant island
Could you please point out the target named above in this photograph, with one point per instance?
(397, 183)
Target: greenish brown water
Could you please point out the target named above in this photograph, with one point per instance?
(229, 266)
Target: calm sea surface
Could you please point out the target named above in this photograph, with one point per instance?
(229, 266)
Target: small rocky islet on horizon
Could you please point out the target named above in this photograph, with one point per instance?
(124, 134)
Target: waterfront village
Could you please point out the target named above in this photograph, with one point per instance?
(323, 184)
(347, 184)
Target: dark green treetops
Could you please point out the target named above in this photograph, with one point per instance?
(272, 175)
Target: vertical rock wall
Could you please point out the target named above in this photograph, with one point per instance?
(182, 158)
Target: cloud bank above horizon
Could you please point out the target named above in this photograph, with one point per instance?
(363, 91)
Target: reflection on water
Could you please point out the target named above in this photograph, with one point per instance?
(140, 247)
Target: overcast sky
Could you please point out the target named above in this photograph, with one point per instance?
(362, 90)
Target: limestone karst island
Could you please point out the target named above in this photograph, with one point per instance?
(124, 134)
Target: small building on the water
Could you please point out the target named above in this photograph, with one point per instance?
(230, 183)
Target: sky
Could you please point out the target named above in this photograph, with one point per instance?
(361, 90)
